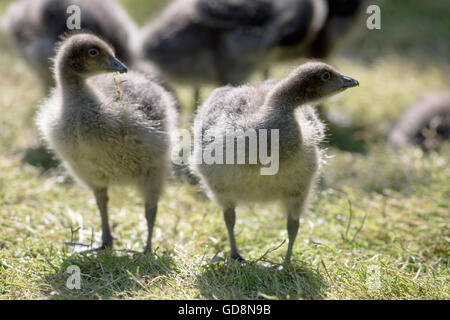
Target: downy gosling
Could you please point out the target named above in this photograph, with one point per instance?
(280, 105)
(108, 133)
(425, 123)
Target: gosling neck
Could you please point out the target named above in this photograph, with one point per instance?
(68, 78)
(74, 87)
(286, 96)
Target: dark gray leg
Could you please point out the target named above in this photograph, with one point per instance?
(292, 228)
(294, 208)
(230, 220)
(101, 196)
(151, 190)
(197, 97)
(150, 215)
(266, 73)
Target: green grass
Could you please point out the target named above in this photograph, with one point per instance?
(377, 213)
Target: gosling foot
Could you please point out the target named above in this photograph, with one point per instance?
(147, 250)
(237, 256)
(106, 245)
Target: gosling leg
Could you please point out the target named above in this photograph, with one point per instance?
(197, 98)
(150, 215)
(230, 221)
(292, 228)
(101, 196)
(266, 74)
(151, 190)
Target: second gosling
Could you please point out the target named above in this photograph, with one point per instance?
(272, 105)
(108, 133)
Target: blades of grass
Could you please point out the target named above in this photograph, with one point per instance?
(270, 251)
(360, 228)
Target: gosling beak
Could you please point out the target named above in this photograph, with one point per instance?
(114, 64)
(348, 82)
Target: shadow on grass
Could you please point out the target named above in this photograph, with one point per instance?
(109, 274)
(39, 156)
(344, 137)
(251, 280)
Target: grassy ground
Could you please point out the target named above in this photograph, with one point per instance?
(378, 227)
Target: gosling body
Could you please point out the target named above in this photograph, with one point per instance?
(281, 105)
(425, 123)
(105, 137)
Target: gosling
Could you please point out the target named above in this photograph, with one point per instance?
(425, 123)
(279, 105)
(107, 132)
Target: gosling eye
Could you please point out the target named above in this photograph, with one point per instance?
(325, 76)
(93, 52)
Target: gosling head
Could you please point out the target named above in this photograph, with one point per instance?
(83, 55)
(310, 82)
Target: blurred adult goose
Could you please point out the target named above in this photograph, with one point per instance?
(237, 113)
(342, 18)
(221, 42)
(104, 132)
(425, 123)
(36, 25)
